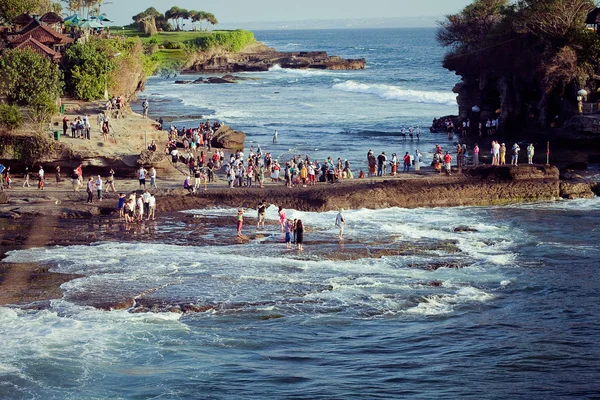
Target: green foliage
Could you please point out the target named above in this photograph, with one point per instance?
(172, 45)
(233, 41)
(87, 69)
(10, 117)
(31, 80)
(9, 9)
(43, 107)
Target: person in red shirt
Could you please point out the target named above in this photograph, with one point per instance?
(447, 162)
(406, 162)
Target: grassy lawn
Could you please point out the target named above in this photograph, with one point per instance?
(164, 56)
(161, 37)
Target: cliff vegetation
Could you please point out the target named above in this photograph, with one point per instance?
(523, 62)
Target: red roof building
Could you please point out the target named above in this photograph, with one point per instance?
(43, 34)
(39, 48)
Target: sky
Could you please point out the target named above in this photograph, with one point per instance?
(233, 12)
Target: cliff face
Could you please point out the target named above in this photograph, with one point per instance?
(259, 57)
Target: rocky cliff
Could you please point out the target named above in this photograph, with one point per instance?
(259, 57)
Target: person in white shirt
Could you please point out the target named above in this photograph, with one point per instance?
(340, 222)
(153, 178)
(99, 187)
(142, 176)
(151, 208)
(140, 208)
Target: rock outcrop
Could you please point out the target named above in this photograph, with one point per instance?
(227, 138)
(260, 58)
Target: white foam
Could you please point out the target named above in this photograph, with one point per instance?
(444, 303)
(303, 72)
(390, 92)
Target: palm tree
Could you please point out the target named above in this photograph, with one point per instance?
(172, 14)
(183, 14)
(211, 19)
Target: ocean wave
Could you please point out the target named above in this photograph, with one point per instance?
(302, 72)
(390, 92)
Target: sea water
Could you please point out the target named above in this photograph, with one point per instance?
(406, 307)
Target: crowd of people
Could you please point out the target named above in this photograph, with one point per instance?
(292, 228)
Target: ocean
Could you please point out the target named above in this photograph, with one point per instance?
(407, 306)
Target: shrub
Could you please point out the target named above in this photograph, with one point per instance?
(10, 117)
(167, 44)
(25, 75)
(233, 41)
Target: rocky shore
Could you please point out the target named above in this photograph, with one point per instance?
(58, 216)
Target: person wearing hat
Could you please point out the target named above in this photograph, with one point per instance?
(340, 222)
(240, 222)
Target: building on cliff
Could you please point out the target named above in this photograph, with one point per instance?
(42, 35)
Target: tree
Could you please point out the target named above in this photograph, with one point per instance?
(551, 19)
(31, 80)
(211, 19)
(9, 9)
(146, 20)
(173, 14)
(183, 14)
(195, 16)
(470, 28)
(87, 70)
(56, 8)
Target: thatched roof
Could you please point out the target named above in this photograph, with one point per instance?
(51, 18)
(22, 19)
(593, 18)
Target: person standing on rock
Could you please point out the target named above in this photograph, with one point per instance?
(110, 183)
(41, 178)
(515, 154)
(502, 153)
(282, 218)
(90, 190)
(406, 162)
(142, 176)
(240, 222)
(146, 197)
(121, 206)
(476, 155)
(530, 152)
(448, 163)
(26, 177)
(145, 107)
(140, 208)
(381, 160)
(151, 208)
(99, 187)
(299, 235)
(153, 178)
(418, 159)
(340, 222)
(262, 209)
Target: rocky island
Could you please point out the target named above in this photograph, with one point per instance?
(259, 58)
